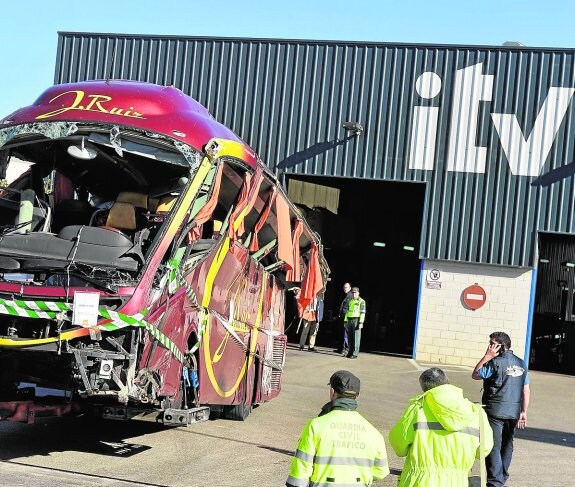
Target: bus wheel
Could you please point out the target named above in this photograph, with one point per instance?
(239, 412)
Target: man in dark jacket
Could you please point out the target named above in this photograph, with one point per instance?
(343, 308)
(506, 398)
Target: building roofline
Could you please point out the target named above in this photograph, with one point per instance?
(315, 41)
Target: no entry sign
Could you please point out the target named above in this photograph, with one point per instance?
(474, 297)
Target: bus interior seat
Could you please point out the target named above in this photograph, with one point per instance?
(139, 200)
(159, 208)
(34, 215)
(71, 212)
(127, 212)
(122, 216)
(153, 204)
(166, 203)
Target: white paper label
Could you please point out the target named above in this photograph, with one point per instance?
(86, 309)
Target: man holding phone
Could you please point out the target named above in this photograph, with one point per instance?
(506, 398)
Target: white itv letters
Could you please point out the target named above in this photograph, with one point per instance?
(526, 155)
(424, 127)
(470, 87)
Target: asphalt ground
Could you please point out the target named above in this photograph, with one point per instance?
(257, 452)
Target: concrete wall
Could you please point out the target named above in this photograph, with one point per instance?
(449, 332)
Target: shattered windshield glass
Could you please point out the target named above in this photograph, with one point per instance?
(87, 202)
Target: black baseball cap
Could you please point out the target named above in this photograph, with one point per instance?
(354, 289)
(344, 382)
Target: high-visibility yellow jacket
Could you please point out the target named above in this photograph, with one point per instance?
(439, 435)
(338, 449)
(356, 309)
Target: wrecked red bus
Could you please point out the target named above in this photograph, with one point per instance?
(144, 256)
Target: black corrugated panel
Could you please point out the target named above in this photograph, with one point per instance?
(556, 276)
(479, 125)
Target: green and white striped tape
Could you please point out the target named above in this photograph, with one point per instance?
(51, 309)
(175, 276)
(55, 309)
(32, 309)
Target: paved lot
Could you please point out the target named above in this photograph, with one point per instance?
(258, 452)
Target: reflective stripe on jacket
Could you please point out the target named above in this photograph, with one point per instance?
(439, 435)
(338, 449)
(356, 309)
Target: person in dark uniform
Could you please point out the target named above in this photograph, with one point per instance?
(506, 396)
(343, 308)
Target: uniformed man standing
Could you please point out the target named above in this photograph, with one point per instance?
(339, 447)
(354, 320)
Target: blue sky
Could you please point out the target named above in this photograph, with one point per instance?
(29, 29)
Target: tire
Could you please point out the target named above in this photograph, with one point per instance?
(239, 412)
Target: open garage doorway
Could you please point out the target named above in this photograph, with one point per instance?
(371, 232)
(553, 333)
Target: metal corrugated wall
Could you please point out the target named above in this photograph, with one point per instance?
(478, 132)
(555, 279)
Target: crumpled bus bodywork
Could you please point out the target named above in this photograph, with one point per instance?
(144, 257)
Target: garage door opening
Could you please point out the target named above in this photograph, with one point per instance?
(371, 232)
(553, 334)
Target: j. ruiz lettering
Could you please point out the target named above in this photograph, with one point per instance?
(79, 100)
(526, 153)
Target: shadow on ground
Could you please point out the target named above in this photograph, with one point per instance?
(101, 437)
(551, 437)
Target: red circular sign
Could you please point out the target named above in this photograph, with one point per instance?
(474, 297)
